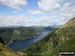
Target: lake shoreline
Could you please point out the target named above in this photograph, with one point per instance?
(20, 44)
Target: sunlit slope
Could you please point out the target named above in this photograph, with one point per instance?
(5, 51)
(62, 39)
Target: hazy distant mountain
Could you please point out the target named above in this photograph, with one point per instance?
(56, 26)
(49, 28)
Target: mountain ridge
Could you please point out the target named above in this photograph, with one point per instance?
(62, 39)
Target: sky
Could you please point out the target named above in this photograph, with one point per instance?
(36, 12)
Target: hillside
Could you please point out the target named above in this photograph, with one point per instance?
(1, 40)
(62, 39)
(14, 34)
(10, 34)
(5, 51)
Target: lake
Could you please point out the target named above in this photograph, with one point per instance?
(21, 44)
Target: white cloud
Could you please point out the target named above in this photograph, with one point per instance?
(24, 20)
(63, 8)
(60, 7)
(46, 5)
(35, 12)
(49, 5)
(15, 20)
(55, 5)
(15, 4)
(60, 12)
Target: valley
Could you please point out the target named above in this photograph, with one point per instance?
(48, 43)
(12, 34)
(62, 39)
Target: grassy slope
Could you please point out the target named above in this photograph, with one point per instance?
(63, 39)
(5, 51)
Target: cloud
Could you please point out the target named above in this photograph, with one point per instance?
(60, 12)
(60, 7)
(49, 5)
(64, 9)
(36, 12)
(55, 5)
(46, 5)
(25, 20)
(15, 20)
(14, 4)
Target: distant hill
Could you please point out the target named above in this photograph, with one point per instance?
(62, 39)
(44, 28)
(49, 28)
(10, 34)
(14, 33)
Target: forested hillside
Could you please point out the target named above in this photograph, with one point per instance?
(14, 34)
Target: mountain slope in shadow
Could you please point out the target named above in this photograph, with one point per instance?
(1, 40)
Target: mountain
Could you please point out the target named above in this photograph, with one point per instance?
(44, 28)
(49, 28)
(56, 26)
(10, 34)
(15, 33)
(62, 39)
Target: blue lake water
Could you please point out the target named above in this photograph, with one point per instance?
(21, 44)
